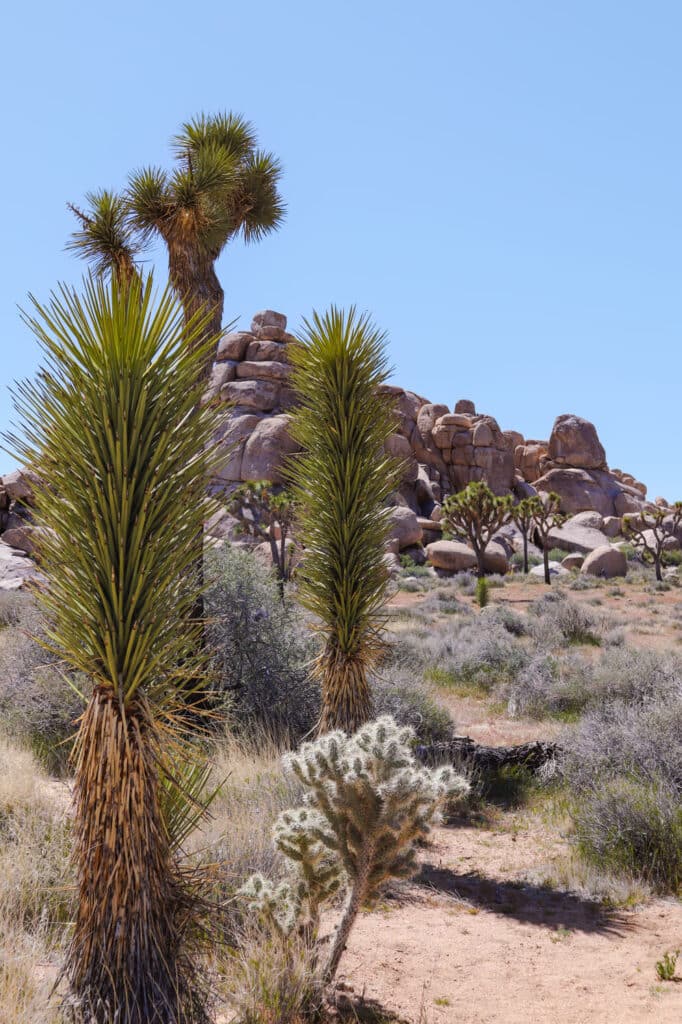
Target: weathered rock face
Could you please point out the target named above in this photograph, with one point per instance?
(574, 442)
(606, 562)
(441, 451)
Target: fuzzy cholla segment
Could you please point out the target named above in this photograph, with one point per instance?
(367, 804)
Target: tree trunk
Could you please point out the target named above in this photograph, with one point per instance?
(657, 565)
(346, 697)
(357, 896)
(462, 749)
(195, 282)
(545, 561)
(480, 556)
(525, 552)
(123, 961)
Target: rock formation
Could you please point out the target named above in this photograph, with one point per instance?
(442, 451)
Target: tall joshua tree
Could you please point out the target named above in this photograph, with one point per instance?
(116, 434)
(341, 481)
(222, 186)
(651, 529)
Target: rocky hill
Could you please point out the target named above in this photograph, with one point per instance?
(443, 450)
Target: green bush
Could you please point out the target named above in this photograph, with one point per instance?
(481, 591)
(634, 827)
(37, 704)
(262, 648)
(410, 703)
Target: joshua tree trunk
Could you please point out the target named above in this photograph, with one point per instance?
(657, 566)
(196, 284)
(525, 552)
(480, 560)
(346, 699)
(545, 560)
(122, 963)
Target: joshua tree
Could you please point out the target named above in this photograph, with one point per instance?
(221, 187)
(341, 481)
(522, 514)
(650, 529)
(367, 806)
(263, 513)
(115, 432)
(475, 514)
(106, 237)
(546, 516)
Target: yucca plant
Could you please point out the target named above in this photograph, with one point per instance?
(114, 429)
(341, 481)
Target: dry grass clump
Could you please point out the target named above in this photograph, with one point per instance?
(252, 791)
(36, 893)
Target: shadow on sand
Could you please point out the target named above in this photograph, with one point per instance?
(531, 904)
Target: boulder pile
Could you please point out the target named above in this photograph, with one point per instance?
(442, 450)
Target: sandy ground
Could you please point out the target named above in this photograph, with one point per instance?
(478, 939)
(473, 942)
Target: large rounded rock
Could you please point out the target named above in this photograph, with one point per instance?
(232, 435)
(606, 562)
(262, 395)
(405, 529)
(574, 442)
(580, 491)
(267, 369)
(495, 559)
(451, 556)
(574, 537)
(266, 449)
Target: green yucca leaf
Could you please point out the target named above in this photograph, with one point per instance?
(340, 482)
(114, 428)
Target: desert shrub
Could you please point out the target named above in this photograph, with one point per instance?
(634, 827)
(549, 685)
(410, 703)
(583, 581)
(262, 648)
(466, 582)
(37, 704)
(641, 740)
(558, 621)
(566, 685)
(624, 766)
(505, 617)
(482, 596)
(557, 554)
(671, 558)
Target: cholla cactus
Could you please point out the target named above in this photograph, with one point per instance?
(367, 803)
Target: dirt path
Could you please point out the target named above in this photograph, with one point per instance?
(475, 944)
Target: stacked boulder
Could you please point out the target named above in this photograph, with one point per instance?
(442, 451)
(18, 539)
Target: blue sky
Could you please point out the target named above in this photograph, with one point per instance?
(499, 183)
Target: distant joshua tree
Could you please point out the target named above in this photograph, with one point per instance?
(523, 514)
(650, 529)
(265, 514)
(475, 515)
(546, 516)
(222, 186)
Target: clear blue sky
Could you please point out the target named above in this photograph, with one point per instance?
(499, 183)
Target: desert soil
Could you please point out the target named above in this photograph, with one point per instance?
(478, 938)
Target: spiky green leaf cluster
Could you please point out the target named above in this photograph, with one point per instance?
(340, 482)
(222, 186)
(114, 430)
